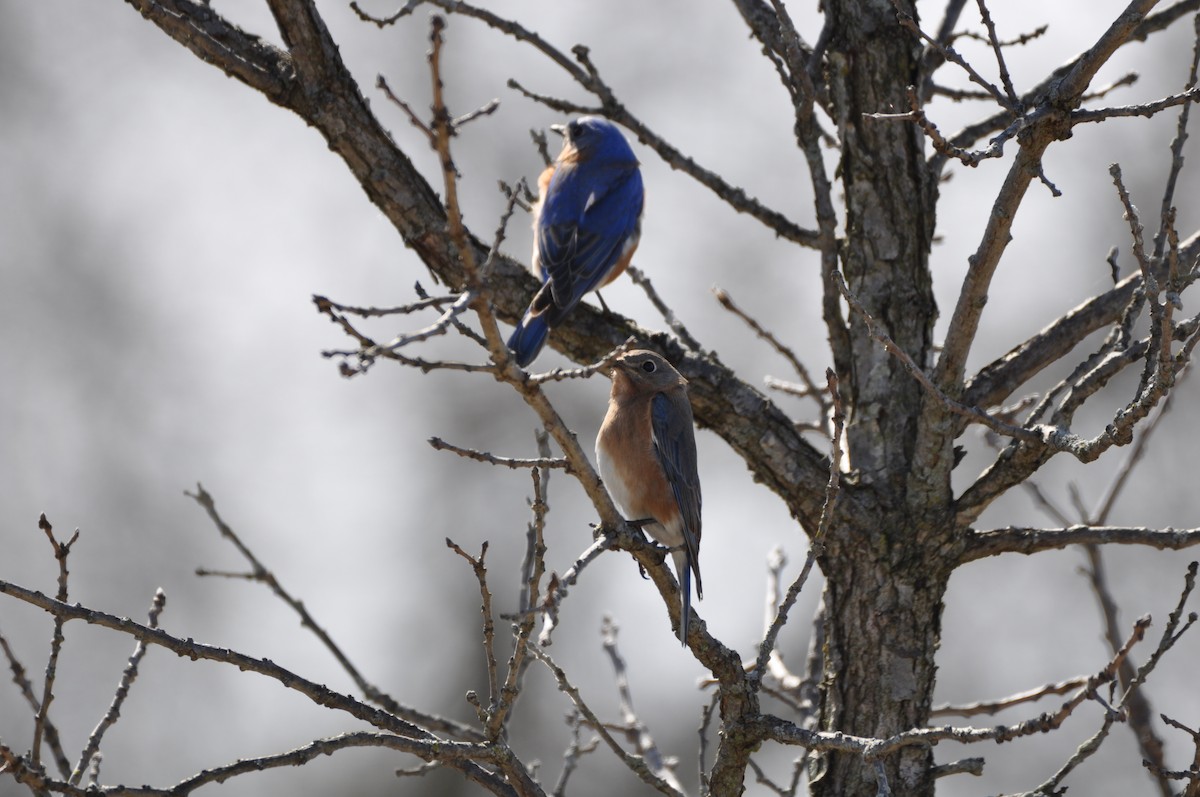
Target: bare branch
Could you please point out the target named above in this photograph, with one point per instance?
(92, 748)
(491, 459)
(262, 574)
(1145, 109)
(950, 54)
(532, 569)
(636, 732)
(970, 413)
(558, 588)
(994, 706)
(1192, 775)
(575, 750)
(455, 752)
(1181, 135)
(1168, 639)
(964, 766)
(61, 551)
(604, 364)
(190, 649)
(636, 764)
(51, 736)
(999, 379)
(1047, 120)
(1014, 539)
(489, 630)
(776, 561)
(816, 543)
(681, 331)
(917, 115)
(1010, 93)
(812, 391)
(935, 57)
(413, 117)
(214, 40)
(585, 74)
(372, 312)
(877, 749)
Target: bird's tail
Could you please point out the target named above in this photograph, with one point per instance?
(683, 567)
(528, 338)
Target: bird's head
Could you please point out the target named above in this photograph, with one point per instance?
(593, 137)
(641, 371)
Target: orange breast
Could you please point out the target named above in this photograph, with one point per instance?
(641, 488)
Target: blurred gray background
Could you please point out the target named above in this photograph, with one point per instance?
(162, 231)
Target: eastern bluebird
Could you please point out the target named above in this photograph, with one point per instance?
(586, 225)
(646, 450)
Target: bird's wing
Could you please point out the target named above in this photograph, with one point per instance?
(675, 441)
(586, 220)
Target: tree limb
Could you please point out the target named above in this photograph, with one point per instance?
(1016, 539)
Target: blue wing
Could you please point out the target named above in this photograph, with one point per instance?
(589, 214)
(675, 442)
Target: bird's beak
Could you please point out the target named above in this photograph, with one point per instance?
(614, 367)
(560, 129)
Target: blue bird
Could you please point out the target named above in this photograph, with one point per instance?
(586, 225)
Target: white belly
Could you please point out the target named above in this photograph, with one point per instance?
(614, 483)
(670, 535)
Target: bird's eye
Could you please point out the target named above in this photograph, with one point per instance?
(649, 366)
(575, 129)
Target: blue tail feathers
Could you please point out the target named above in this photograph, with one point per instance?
(685, 586)
(528, 338)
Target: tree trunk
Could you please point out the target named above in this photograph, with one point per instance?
(885, 588)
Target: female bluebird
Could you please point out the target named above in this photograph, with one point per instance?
(646, 451)
(586, 225)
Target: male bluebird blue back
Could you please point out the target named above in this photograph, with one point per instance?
(646, 451)
(586, 225)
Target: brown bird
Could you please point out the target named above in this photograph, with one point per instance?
(646, 451)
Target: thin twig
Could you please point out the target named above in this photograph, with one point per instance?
(1025, 540)
(262, 574)
(995, 706)
(816, 543)
(53, 741)
(972, 414)
(706, 716)
(1013, 101)
(559, 587)
(681, 331)
(61, 551)
(636, 732)
(489, 628)
(583, 71)
(1168, 639)
(1177, 143)
(636, 764)
(604, 364)
(950, 54)
(435, 302)
(482, 456)
(532, 569)
(413, 117)
(814, 392)
(776, 561)
(575, 751)
(92, 748)
(1145, 109)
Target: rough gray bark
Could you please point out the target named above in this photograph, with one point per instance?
(884, 590)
